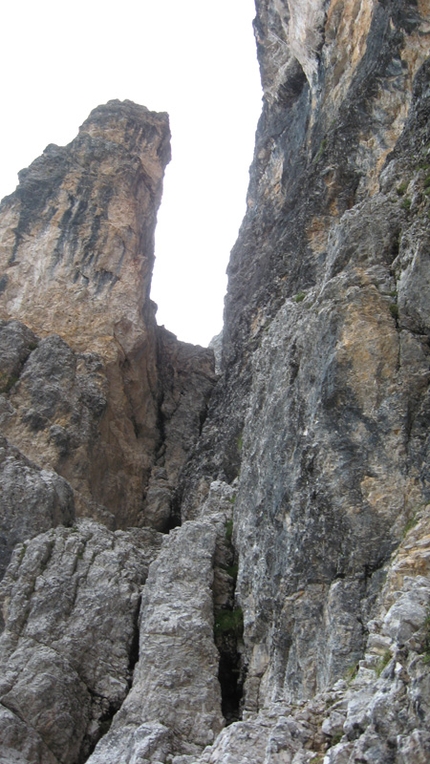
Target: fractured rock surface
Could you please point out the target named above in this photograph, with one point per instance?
(321, 408)
(70, 601)
(286, 621)
(175, 680)
(32, 500)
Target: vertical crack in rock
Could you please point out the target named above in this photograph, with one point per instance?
(174, 705)
(228, 624)
(134, 644)
(218, 509)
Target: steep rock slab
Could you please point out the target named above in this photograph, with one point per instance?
(70, 602)
(174, 705)
(335, 484)
(313, 161)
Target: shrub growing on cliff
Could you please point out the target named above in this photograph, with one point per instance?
(394, 310)
(229, 622)
(299, 297)
(411, 523)
(351, 673)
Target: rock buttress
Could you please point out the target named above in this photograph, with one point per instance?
(76, 261)
(83, 394)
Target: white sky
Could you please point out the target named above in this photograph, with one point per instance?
(192, 58)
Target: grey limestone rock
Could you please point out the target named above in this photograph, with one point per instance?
(377, 715)
(186, 379)
(321, 410)
(216, 345)
(16, 344)
(409, 611)
(32, 500)
(70, 603)
(175, 680)
(285, 618)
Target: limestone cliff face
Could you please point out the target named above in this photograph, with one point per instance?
(76, 257)
(292, 605)
(337, 347)
(321, 413)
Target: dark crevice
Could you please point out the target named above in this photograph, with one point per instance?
(228, 636)
(395, 247)
(228, 627)
(292, 87)
(134, 646)
(104, 723)
(202, 419)
(175, 520)
(108, 709)
(230, 678)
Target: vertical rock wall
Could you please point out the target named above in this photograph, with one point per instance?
(321, 410)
